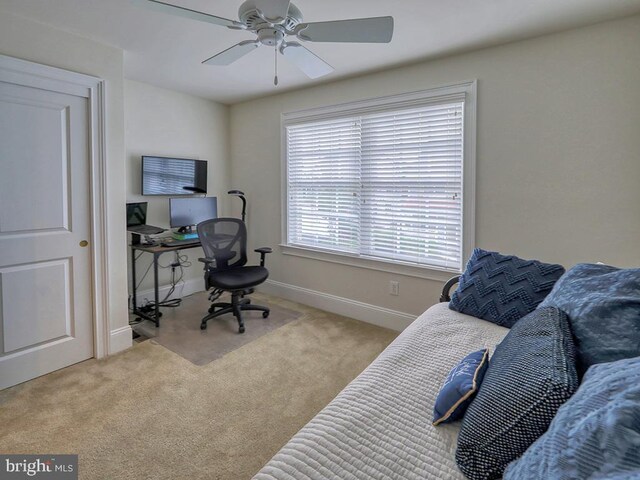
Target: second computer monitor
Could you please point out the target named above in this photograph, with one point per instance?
(187, 212)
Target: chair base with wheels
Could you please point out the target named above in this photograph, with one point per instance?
(224, 243)
(237, 306)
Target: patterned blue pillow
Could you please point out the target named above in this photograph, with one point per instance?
(502, 289)
(532, 373)
(596, 434)
(460, 387)
(603, 304)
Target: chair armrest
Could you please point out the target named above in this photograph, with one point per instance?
(444, 297)
(263, 252)
(207, 260)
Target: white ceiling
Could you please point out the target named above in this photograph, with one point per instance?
(167, 51)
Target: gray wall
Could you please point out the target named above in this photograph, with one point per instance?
(172, 124)
(558, 156)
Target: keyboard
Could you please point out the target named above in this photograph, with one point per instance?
(180, 243)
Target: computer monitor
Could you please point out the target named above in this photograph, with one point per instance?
(136, 214)
(173, 176)
(187, 212)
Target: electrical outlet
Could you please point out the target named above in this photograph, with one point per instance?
(394, 287)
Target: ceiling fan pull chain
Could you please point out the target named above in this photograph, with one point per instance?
(275, 78)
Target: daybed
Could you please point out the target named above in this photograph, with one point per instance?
(379, 426)
(559, 398)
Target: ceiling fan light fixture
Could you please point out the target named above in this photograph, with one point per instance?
(271, 36)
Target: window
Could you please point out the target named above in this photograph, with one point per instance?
(385, 180)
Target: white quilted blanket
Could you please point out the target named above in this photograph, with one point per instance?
(379, 426)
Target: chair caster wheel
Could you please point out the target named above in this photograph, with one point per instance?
(203, 326)
(265, 314)
(241, 330)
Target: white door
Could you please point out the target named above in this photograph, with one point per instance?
(45, 246)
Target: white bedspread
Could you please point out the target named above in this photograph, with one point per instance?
(379, 426)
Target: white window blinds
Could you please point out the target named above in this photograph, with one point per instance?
(383, 185)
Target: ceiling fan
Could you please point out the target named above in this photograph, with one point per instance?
(275, 20)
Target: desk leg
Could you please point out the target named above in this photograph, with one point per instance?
(133, 273)
(155, 290)
(144, 312)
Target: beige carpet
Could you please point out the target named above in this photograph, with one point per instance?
(180, 328)
(147, 413)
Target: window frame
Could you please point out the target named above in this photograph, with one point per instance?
(419, 98)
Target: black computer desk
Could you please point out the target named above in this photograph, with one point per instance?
(156, 251)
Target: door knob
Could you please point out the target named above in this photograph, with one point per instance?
(84, 243)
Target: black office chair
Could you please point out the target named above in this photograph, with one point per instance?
(224, 241)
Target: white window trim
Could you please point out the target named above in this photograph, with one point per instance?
(422, 97)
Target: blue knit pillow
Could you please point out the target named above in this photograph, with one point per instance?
(503, 288)
(596, 434)
(460, 386)
(532, 373)
(603, 305)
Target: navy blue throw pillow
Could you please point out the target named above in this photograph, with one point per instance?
(503, 288)
(596, 434)
(603, 305)
(532, 373)
(460, 387)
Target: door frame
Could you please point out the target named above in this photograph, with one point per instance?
(30, 74)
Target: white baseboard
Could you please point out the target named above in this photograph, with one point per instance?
(192, 285)
(383, 317)
(120, 339)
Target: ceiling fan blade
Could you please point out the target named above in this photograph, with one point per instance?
(357, 30)
(230, 55)
(274, 11)
(307, 61)
(187, 13)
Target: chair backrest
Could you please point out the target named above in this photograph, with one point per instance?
(224, 239)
